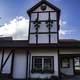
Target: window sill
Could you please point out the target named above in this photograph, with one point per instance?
(42, 71)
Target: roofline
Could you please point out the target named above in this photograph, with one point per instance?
(25, 44)
(38, 4)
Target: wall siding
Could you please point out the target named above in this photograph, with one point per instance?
(45, 53)
(19, 64)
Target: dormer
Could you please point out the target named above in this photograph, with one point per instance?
(44, 23)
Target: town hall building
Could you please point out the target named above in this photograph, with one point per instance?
(43, 55)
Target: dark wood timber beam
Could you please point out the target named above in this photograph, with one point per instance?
(5, 60)
(12, 62)
(26, 51)
(2, 60)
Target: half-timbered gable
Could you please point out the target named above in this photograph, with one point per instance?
(44, 23)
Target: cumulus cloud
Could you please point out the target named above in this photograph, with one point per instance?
(62, 23)
(64, 32)
(17, 28)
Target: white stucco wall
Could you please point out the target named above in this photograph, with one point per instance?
(20, 64)
(44, 52)
(7, 66)
(68, 71)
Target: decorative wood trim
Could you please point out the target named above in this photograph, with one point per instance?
(29, 63)
(73, 66)
(27, 53)
(2, 60)
(44, 11)
(49, 30)
(29, 29)
(44, 21)
(7, 59)
(12, 62)
(37, 30)
(44, 33)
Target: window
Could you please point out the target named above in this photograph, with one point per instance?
(43, 64)
(37, 63)
(65, 63)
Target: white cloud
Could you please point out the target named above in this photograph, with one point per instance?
(17, 28)
(63, 23)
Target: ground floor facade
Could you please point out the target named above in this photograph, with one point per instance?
(23, 63)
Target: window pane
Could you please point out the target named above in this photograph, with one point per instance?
(37, 63)
(48, 63)
(33, 16)
(54, 38)
(43, 16)
(53, 15)
(43, 38)
(32, 38)
(32, 28)
(43, 27)
(54, 27)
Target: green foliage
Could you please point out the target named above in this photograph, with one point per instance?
(37, 24)
(1, 78)
(49, 23)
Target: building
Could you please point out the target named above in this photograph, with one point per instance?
(43, 55)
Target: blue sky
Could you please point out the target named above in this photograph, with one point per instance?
(14, 12)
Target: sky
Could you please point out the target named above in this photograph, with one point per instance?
(15, 22)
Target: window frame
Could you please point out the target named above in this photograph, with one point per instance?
(43, 70)
(68, 63)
